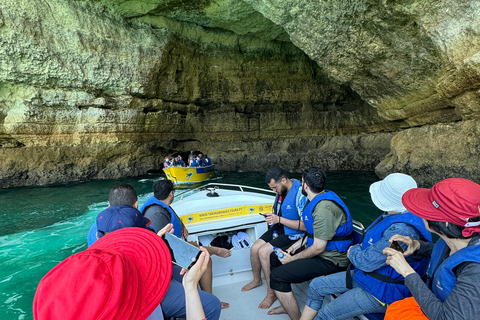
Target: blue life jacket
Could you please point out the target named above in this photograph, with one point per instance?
(291, 207)
(388, 292)
(92, 234)
(444, 277)
(166, 164)
(194, 163)
(177, 224)
(207, 161)
(343, 237)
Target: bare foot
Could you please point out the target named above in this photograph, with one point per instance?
(225, 305)
(224, 253)
(268, 301)
(277, 310)
(252, 284)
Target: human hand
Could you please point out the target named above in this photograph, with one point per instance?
(413, 245)
(271, 218)
(348, 251)
(294, 247)
(286, 257)
(192, 276)
(167, 229)
(397, 261)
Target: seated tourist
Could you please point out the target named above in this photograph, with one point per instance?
(122, 206)
(180, 161)
(329, 235)
(374, 284)
(285, 228)
(207, 161)
(166, 163)
(201, 160)
(157, 208)
(451, 210)
(95, 284)
(193, 162)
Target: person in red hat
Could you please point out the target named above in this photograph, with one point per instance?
(123, 275)
(450, 209)
(166, 163)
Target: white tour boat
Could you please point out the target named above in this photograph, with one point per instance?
(218, 209)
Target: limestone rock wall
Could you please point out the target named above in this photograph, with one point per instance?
(86, 93)
(105, 89)
(414, 61)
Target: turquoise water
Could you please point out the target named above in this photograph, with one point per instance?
(41, 226)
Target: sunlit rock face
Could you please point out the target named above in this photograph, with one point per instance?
(87, 93)
(106, 89)
(414, 61)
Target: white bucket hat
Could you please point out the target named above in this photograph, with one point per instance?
(387, 193)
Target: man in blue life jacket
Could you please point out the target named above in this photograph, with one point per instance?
(207, 161)
(180, 161)
(323, 250)
(285, 222)
(157, 208)
(374, 284)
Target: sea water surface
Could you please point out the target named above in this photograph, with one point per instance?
(41, 226)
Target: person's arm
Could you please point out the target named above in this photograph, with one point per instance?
(373, 258)
(190, 281)
(462, 303)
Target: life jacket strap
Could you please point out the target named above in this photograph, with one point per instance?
(384, 278)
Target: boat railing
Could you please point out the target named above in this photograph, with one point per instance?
(212, 186)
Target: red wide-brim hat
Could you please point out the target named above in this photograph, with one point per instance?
(123, 275)
(453, 200)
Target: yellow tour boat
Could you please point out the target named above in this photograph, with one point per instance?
(189, 174)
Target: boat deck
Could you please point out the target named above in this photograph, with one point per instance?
(244, 305)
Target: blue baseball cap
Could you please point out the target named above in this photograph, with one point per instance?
(119, 217)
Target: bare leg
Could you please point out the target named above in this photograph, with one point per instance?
(256, 266)
(221, 252)
(264, 254)
(308, 313)
(289, 304)
(206, 282)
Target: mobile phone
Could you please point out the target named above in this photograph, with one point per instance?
(262, 214)
(396, 246)
(184, 254)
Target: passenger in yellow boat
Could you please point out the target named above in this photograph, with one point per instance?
(329, 235)
(201, 160)
(207, 161)
(180, 162)
(166, 163)
(285, 224)
(191, 156)
(194, 162)
(157, 208)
